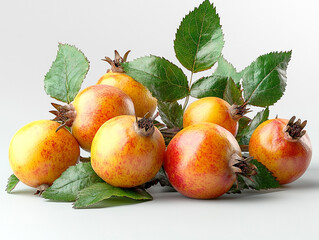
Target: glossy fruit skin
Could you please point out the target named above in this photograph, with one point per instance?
(39, 155)
(142, 98)
(122, 157)
(210, 109)
(197, 161)
(94, 106)
(287, 159)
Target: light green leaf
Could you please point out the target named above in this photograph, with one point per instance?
(166, 81)
(101, 191)
(73, 180)
(264, 81)
(65, 77)
(226, 69)
(12, 183)
(199, 39)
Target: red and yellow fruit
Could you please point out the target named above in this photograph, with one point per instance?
(126, 153)
(38, 154)
(214, 110)
(202, 160)
(142, 98)
(91, 108)
(283, 147)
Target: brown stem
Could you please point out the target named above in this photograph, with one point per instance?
(116, 63)
(65, 115)
(41, 189)
(242, 166)
(244, 148)
(145, 126)
(238, 111)
(295, 128)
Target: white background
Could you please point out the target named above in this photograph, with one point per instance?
(29, 35)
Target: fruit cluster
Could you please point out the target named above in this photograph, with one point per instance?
(203, 150)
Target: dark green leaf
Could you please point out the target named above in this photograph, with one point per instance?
(171, 114)
(242, 124)
(199, 39)
(65, 77)
(232, 93)
(263, 180)
(243, 136)
(101, 191)
(166, 81)
(264, 81)
(226, 69)
(212, 86)
(73, 180)
(12, 183)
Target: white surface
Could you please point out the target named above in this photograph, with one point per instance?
(29, 34)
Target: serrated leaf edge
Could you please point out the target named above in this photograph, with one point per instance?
(274, 52)
(59, 47)
(221, 27)
(13, 187)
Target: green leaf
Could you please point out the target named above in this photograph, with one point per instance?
(226, 69)
(101, 191)
(171, 114)
(199, 39)
(65, 77)
(12, 183)
(73, 180)
(243, 136)
(263, 180)
(166, 81)
(232, 93)
(212, 86)
(264, 81)
(242, 124)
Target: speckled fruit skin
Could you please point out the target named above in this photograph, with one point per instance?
(94, 106)
(210, 109)
(123, 158)
(197, 161)
(143, 100)
(39, 155)
(285, 158)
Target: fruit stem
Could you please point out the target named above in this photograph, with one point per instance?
(145, 126)
(187, 98)
(85, 159)
(65, 115)
(242, 166)
(238, 111)
(244, 148)
(294, 129)
(116, 63)
(41, 189)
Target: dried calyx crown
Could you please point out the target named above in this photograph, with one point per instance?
(65, 115)
(116, 63)
(238, 111)
(243, 166)
(145, 126)
(295, 128)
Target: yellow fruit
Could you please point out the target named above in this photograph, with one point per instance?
(39, 155)
(142, 98)
(124, 154)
